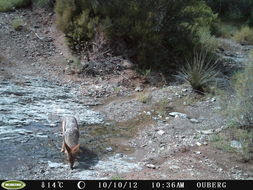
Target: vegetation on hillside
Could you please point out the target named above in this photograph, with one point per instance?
(240, 106)
(13, 4)
(233, 10)
(149, 32)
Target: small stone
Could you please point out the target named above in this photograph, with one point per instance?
(127, 64)
(160, 132)
(119, 155)
(178, 114)
(236, 144)
(198, 144)
(184, 90)
(206, 132)
(138, 89)
(194, 120)
(42, 171)
(109, 149)
(148, 113)
(152, 166)
(174, 167)
(167, 118)
(197, 152)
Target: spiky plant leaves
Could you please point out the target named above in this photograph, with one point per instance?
(200, 71)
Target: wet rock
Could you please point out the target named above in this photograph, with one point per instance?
(178, 114)
(42, 171)
(56, 165)
(119, 155)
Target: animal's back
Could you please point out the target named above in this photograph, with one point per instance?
(71, 131)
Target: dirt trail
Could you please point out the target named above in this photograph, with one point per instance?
(126, 134)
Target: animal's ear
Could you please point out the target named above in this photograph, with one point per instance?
(67, 147)
(75, 148)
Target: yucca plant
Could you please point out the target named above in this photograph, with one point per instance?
(200, 71)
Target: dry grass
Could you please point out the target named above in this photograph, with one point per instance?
(244, 35)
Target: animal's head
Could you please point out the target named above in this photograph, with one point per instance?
(71, 154)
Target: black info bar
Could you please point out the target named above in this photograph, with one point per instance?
(125, 184)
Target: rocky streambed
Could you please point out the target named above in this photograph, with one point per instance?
(30, 136)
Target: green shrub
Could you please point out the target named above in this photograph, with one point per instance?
(240, 105)
(9, 5)
(199, 72)
(244, 35)
(149, 32)
(79, 28)
(17, 24)
(206, 40)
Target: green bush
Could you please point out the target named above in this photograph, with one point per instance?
(244, 35)
(17, 24)
(240, 106)
(149, 32)
(200, 72)
(9, 5)
(77, 23)
(206, 40)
